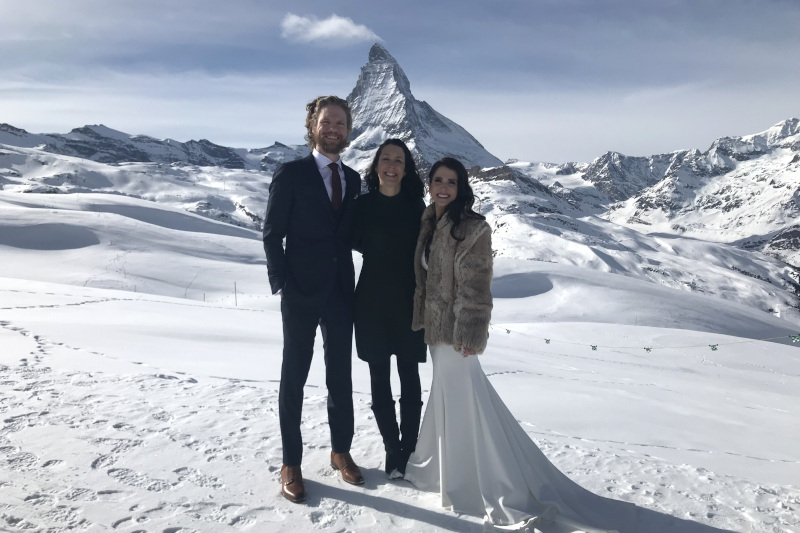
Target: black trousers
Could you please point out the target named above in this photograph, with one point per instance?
(380, 381)
(299, 330)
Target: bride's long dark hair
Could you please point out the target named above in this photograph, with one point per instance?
(461, 206)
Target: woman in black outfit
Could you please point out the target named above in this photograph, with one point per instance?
(385, 230)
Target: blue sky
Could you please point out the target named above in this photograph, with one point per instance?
(554, 80)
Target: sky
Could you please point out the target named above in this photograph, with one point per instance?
(535, 80)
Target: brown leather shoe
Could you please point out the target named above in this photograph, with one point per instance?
(292, 486)
(345, 464)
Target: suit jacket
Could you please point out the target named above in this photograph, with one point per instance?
(317, 252)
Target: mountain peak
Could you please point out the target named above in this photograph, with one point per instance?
(99, 131)
(782, 130)
(379, 53)
(381, 72)
(384, 107)
(11, 129)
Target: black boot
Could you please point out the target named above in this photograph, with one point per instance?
(386, 418)
(410, 413)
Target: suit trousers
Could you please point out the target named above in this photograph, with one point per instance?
(300, 323)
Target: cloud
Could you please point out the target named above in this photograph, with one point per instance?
(332, 31)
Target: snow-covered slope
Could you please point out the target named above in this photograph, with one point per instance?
(231, 195)
(538, 223)
(530, 221)
(139, 368)
(384, 107)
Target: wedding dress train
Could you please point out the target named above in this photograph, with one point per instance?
(473, 452)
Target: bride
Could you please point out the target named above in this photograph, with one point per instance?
(471, 450)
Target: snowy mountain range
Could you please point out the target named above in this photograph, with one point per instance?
(104, 145)
(721, 222)
(742, 190)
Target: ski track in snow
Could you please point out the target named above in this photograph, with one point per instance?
(115, 468)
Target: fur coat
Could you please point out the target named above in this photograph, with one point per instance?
(452, 299)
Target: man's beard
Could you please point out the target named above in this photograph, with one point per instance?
(331, 147)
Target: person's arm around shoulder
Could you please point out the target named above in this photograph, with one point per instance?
(473, 299)
(276, 226)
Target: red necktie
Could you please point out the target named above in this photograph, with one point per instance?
(336, 186)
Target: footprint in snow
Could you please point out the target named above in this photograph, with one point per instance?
(139, 480)
(103, 461)
(198, 478)
(37, 499)
(21, 461)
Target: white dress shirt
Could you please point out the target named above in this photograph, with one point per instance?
(322, 164)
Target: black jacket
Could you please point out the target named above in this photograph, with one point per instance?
(385, 231)
(317, 249)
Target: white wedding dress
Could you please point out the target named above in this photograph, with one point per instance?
(473, 452)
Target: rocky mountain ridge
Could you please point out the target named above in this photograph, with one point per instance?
(105, 145)
(742, 190)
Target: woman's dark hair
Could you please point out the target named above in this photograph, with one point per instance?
(461, 206)
(411, 183)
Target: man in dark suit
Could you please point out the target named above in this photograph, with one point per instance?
(311, 204)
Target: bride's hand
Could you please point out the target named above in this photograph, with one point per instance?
(466, 351)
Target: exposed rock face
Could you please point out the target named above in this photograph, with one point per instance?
(620, 176)
(383, 107)
(742, 190)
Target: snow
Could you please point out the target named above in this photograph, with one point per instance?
(140, 362)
